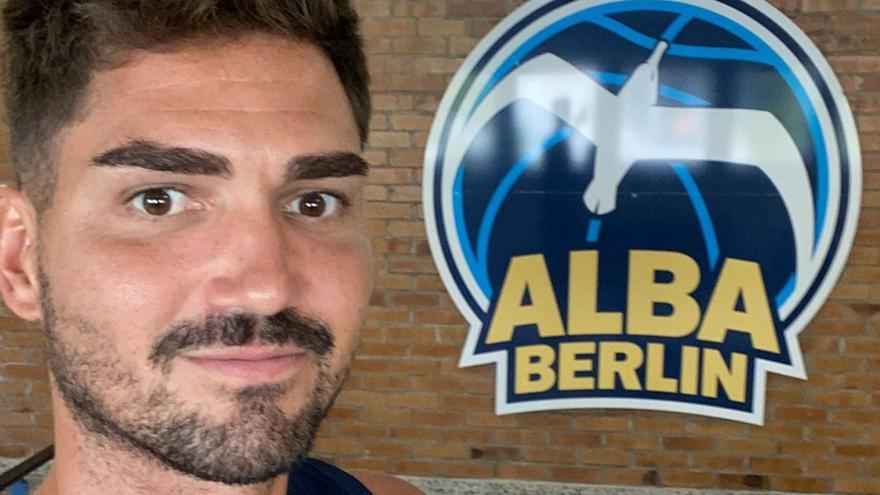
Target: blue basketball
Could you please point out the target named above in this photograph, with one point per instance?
(552, 140)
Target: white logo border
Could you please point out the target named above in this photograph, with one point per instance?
(762, 367)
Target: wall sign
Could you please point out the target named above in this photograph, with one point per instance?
(641, 204)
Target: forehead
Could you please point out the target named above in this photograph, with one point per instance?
(259, 91)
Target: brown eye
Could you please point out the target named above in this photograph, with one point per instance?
(312, 205)
(159, 202)
(315, 204)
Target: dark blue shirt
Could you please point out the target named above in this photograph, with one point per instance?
(314, 477)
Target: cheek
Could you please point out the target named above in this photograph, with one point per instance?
(339, 285)
(127, 286)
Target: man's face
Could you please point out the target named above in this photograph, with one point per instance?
(205, 264)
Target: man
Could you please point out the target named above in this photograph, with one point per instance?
(190, 230)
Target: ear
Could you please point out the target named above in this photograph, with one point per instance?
(19, 283)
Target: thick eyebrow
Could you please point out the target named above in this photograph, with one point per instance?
(319, 166)
(161, 158)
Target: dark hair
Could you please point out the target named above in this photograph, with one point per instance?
(54, 47)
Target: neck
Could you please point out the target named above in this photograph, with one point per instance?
(89, 464)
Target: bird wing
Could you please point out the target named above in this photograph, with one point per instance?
(549, 82)
(748, 137)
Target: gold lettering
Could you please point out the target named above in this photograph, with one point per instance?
(525, 274)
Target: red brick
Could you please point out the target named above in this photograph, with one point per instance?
(476, 8)
(438, 317)
(467, 402)
(377, 209)
(414, 368)
(689, 443)
(435, 350)
(28, 340)
(24, 371)
(13, 451)
(628, 476)
(11, 389)
(521, 437)
(523, 471)
(783, 465)
(576, 474)
(688, 478)
(420, 8)
(798, 413)
(385, 382)
(8, 419)
(718, 463)
(439, 417)
(438, 65)
(407, 229)
(800, 483)
(604, 457)
(748, 446)
(867, 486)
(383, 447)
(373, 8)
(603, 423)
(857, 416)
(417, 433)
(388, 27)
(412, 265)
(661, 460)
(491, 420)
(857, 450)
(361, 430)
(843, 399)
(13, 355)
(389, 416)
(393, 281)
(578, 439)
(462, 45)
(415, 334)
(832, 466)
(443, 451)
(506, 454)
(633, 441)
(419, 46)
(868, 123)
(552, 455)
(803, 448)
(388, 315)
(469, 435)
(410, 194)
(414, 400)
(434, 26)
(411, 122)
(657, 424)
(388, 139)
(32, 436)
(405, 158)
(742, 481)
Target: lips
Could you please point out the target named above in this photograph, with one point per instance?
(249, 363)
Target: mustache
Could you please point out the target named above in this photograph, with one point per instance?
(283, 328)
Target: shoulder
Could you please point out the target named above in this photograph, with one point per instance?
(383, 484)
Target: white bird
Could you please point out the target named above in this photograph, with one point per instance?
(630, 126)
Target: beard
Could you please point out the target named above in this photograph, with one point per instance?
(254, 444)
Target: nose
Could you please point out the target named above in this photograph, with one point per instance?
(250, 272)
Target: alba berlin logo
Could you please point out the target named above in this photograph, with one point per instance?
(641, 204)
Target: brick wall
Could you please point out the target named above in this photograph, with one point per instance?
(409, 409)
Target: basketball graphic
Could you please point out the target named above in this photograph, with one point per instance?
(641, 204)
